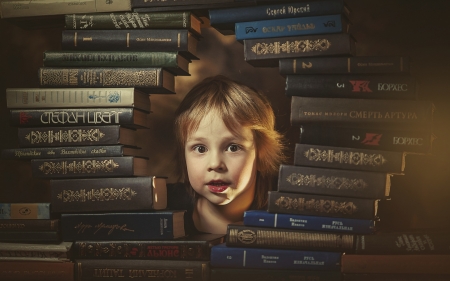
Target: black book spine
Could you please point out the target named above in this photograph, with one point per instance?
(321, 205)
(30, 236)
(349, 158)
(334, 182)
(31, 225)
(156, 3)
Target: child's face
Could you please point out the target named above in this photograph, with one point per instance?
(221, 166)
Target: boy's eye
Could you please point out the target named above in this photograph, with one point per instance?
(233, 148)
(200, 149)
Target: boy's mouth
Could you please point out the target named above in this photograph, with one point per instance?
(217, 186)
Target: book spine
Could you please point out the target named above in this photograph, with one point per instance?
(33, 254)
(322, 181)
(117, 226)
(260, 258)
(157, 3)
(315, 223)
(290, 27)
(368, 138)
(226, 274)
(259, 237)
(399, 87)
(382, 161)
(30, 237)
(86, 167)
(267, 51)
(320, 205)
(95, 269)
(32, 225)
(21, 8)
(393, 277)
(24, 211)
(363, 112)
(40, 271)
(343, 65)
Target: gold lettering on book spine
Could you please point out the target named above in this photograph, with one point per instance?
(345, 157)
(100, 195)
(64, 136)
(319, 206)
(299, 179)
(78, 167)
(297, 46)
(127, 78)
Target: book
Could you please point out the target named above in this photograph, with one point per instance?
(39, 271)
(94, 167)
(152, 3)
(29, 225)
(240, 235)
(25, 8)
(120, 269)
(260, 218)
(150, 40)
(38, 252)
(108, 194)
(394, 277)
(360, 86)
(195, 247)
(54, 117)
(343, 65)
(266, 52)
(334, 182)
(365, 113)
(76, 136)
(344, 158)
(291, 27)
(171, 61)
(163, 225)
(154, 80)
(76, 98)
(245, 274)
(321, 205)
(396, 264)
(223, 256)
(408, 141)
(25, 211)
(30, 237)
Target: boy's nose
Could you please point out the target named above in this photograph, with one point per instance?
(216, 163)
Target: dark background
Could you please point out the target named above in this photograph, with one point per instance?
(419, 199)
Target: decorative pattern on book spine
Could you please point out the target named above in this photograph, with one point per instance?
(102, 194)
(297, 46)
(320, 206)
(352, 158)
(299, 179)
(79, 167)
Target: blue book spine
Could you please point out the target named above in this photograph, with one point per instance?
(291, 221)
(290, 27)
(24, 210)
(233, 257)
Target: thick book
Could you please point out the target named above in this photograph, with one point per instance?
(360, 86)
(163, 225)
(76, 98)
(36, 271)
(365, 113)
(94, 167)
(25, 211)
(38, 252)
(194, 247)
(266, 52)
(171, 61)
(342, 65)
(26, 8)
(321, 205)
(154, 80)
(394, 277)
(120, 269)
(223, 256)
(291, 27)
(346, 158)
(30, 237)
(245, 274)
(108, 194)
(149, 40)
(239, 235)
(396, 264)
(262, 218)
(76, 136)
(54, 117)
(409, 141)
(33, 225)
(334, 182)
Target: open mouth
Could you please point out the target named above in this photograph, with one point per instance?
(217, 186)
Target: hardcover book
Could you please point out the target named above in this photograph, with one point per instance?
(76, 98)
(394, 277)
(25, 211)
(345, 158)
(195, 247)
(30, 237)
(335, 182)
(152, 3)
(321, 205)
(360, 86)
(108, 194)
(95, 167)
(163, 225)
(239, 235)
(245, 274)
(223, 256)
(266, 52)
(343, 65)
(36, 271)
(33, 225)
(154, 80)
(38, 252)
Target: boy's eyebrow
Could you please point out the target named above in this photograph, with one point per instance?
(226, 139)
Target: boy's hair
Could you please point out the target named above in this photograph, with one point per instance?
(237, 105)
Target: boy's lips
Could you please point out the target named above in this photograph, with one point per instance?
(217, 186)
